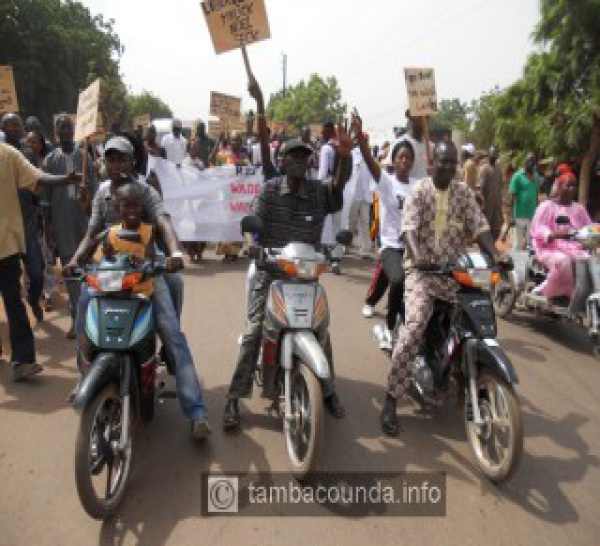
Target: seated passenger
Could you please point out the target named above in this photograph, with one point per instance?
(551, 240)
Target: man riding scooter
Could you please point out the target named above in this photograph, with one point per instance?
(119, 154)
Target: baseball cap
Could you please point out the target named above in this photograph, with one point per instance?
(119, 144)
(295, 144)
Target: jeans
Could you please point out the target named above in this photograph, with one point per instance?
(21, 336)
(34, 266)
(168, 328)
(521, 238)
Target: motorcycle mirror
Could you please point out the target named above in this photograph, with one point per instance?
(130, 236)
(563, 220)
(344, 237)
(252, 224)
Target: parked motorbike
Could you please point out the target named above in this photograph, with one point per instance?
(296, 352)
(118, 389)
(515, 290)
(459, 354)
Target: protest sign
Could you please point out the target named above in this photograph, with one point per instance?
(8, 93)
(88, 115)
(225, 107)
(207, 205)
(280, 127)
(422, 98)
(235, 23)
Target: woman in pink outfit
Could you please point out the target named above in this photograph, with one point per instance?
(552, 246)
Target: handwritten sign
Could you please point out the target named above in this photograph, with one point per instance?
(142, 121)
(422, 98)
(233, 23)
(280, 127)
(215, 128)
(8, 93)
(225, 106)
(88, 116)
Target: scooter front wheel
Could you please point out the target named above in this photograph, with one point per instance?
(498, 442)
(304, 431)
(101, 468)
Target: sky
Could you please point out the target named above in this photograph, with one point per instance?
(473, 45)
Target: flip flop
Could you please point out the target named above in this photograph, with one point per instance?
(21, 372)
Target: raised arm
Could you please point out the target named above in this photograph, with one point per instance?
(363, 145)
(261, 124)
(344, 165)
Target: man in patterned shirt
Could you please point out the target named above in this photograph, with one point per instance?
(441, 218)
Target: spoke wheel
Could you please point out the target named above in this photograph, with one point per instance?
(304, 433)
(101, 469)
(498, 443)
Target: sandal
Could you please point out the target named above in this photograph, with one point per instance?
(21, 372)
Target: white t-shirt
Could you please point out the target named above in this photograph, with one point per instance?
(256, 155)
(359, 187)
(392, 196)
(175, 148)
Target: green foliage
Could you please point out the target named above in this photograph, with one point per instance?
(453, 115)
(56, 49)
(146, 103)
(312, 102)
(483, 132)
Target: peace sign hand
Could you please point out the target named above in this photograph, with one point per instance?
(356, 124)
(344, 145)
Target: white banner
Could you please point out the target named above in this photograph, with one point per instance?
(207, 205)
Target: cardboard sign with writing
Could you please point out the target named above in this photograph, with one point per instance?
(88, 115)
(279, 127)
(8, 93)
(225, 106)
(233, 23)
(142, 121)
(422, 98)
(215, 128)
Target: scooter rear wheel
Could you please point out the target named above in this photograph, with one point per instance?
(304, 433)
(101, 469)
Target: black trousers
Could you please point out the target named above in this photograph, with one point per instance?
(391, 259)
(21, 336)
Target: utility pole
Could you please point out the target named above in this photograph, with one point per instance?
(284, 64)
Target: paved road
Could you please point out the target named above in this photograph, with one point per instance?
(554, 498)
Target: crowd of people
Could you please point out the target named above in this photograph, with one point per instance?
(409, 201)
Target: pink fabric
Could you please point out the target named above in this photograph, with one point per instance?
(559, 255)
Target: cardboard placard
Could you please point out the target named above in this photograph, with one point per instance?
(233, 23)
(315, 130)
(8, 92)
(143, 121)
(215, 128)
(225, 106)
(278, 127)
(420, 85)
(88, 115)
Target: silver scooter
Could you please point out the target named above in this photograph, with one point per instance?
(515, 289)
(295, 354)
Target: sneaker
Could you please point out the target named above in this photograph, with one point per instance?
(385, 343)
(201, 429)
(21, 372)
(367, 311)
(335, 268)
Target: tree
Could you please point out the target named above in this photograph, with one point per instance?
(57, 48)
(452, 115)
(555, 106)
(319, 100)
(483, 111)
(146, 103)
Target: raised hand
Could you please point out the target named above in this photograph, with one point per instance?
(356, 124)
(254, 88)
(344, 141)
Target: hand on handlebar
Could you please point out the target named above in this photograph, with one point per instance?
(70, 270)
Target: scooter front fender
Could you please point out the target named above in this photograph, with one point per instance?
(104, 368)
(488, 355)
(305, 346)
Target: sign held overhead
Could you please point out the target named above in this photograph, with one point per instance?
(234, 23)
(88, 115)
(225, 107)
(8, 93)
(420, 85)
